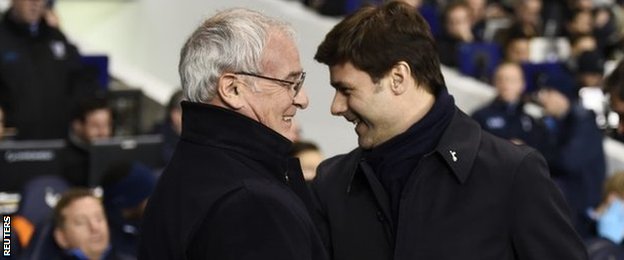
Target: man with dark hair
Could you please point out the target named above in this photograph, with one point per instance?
(426, 182)
(614, 86)
(91, 120)
(231, 189)
(41, 74)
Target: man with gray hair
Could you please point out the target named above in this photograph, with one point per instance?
(230, 190)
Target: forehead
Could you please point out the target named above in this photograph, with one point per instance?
(280, 56)
(82, 205)
(345, 72)
(98, 114)
(509, 71)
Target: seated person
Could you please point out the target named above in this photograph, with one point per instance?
(80, 227)
(457, 30)
(92, 120)
(609, 215)
(505, 116)
(517, 49)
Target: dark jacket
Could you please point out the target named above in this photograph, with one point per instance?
(577, 162)
(509, 121)
(41, 76)
(230, 192)
(474, 197)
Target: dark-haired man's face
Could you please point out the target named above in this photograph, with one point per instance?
(98, 124)
(364, 103)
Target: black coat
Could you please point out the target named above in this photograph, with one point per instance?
(230, 192)
(474, 197)
(41, 77)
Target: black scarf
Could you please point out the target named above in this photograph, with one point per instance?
(394, 160)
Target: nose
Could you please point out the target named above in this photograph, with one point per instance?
(95, 226)
(339, 104)
(301, 99)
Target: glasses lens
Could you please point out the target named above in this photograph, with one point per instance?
(299, 83)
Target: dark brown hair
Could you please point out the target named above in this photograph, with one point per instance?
(374, 39)
(615, 82)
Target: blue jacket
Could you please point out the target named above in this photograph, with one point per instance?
(577, 162)
(509, 121)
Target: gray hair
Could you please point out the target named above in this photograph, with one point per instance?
(230, 41)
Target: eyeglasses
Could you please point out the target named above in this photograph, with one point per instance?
(291, 85)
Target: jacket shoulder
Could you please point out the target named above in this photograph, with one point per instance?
(337, 168)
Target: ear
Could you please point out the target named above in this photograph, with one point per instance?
(400, 78)
(60, 239)
(230, 91)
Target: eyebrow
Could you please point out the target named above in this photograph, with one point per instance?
(294, 74)
(338, 85)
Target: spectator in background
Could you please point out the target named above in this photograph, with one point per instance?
(517, 49)
(310, 157)
(582, 43)
(609, 215)
(574, 153)
(528, 18)
(614, 86)
(425, 176)
(609, 218)
(92, 120)
(41, 74)
(171, 128)
(457, 30)
(80, 227)
(127, 186)
(581, 22)
(590, 69)
(232, 191)
(505, 116)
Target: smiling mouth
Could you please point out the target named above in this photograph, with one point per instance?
(287, 118)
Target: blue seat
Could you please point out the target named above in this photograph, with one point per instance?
(100, 64)
(551, 74)
(478, 60)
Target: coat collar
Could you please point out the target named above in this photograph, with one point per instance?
(459, 144)
(226, 129)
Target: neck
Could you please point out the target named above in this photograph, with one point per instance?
(417, 105)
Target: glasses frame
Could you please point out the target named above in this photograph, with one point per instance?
(293, 85)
